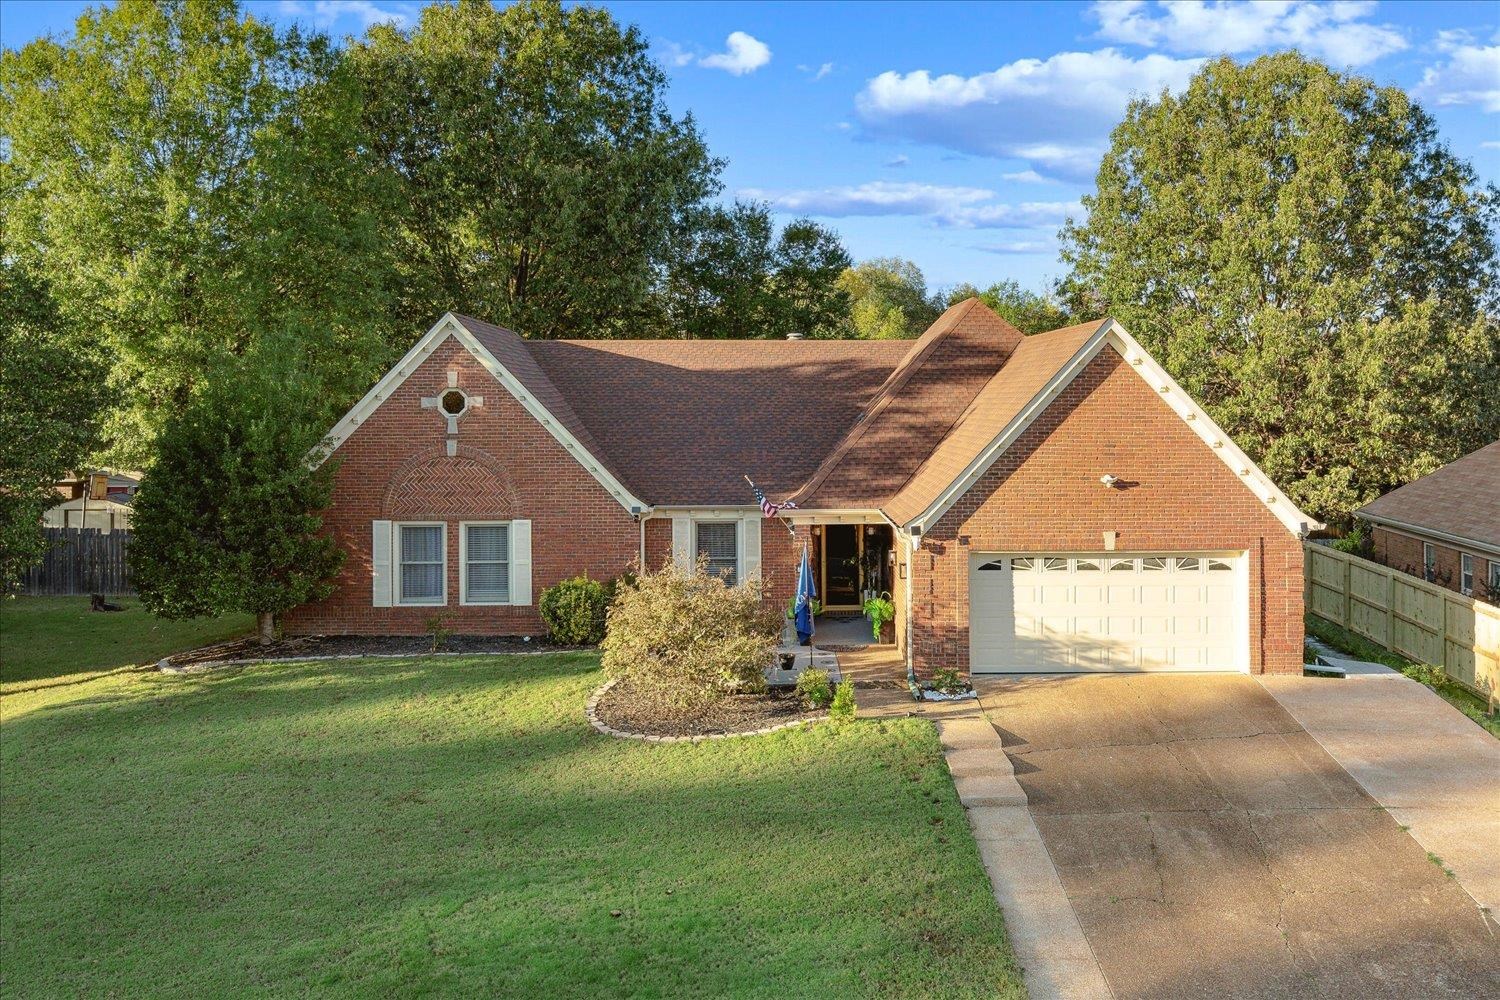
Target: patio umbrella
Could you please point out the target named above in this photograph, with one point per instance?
(806, 591)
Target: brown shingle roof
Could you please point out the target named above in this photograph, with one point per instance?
(928, 391)
(1460, 499)
(689, 418)
(1031, 366)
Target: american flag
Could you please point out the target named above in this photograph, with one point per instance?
(767, 507)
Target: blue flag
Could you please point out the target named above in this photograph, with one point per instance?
(806, 591)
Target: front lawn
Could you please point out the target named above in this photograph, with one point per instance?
(452, 826)
(47, 637)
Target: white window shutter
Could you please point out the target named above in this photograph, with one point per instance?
(381, 573)
(750, 547)
(682, 544)
(520, 562)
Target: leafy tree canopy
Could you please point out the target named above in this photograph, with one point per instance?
(1299, 248)
(52, 395)
(229, 518)
(888, 299)
(188, 181)
(1026, 310)
(538, 176)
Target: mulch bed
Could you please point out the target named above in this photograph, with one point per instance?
(620, 709)
(356, 645)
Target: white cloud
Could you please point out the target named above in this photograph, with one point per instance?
(674, 55)
(1019, 247)
(325, 14)
(946, 205)
(823, 71)
(1333, 31)
(1027, 177)
(743, 53)
(1469, 75)
(1490, 145)
(899, 160)
(1055, 113)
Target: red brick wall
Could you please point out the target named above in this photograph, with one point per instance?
(1044, 494)
(778, 554)
(1404, 552)
(395, 467)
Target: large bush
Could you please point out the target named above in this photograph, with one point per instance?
(684, 640)
(574, 611)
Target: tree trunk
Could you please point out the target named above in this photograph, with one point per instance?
(265, 627)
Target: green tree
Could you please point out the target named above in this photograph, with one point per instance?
(1026, 310)
(52, 396)
(190, 182)
(538, 178)
(888, 299)
(1301, 250)
(731, 276)
(229, 520)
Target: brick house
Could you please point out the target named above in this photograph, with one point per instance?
(1045, 503)
(1445, 527)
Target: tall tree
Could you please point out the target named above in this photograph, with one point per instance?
(732, 276)
(52, 395)
(539, 176)
(229, 520)
(189, 181)
(888, 299)
(1026, 310)
(1302, 251)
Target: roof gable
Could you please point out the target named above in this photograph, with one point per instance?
(1460, 500)
(503, 354)
(915, 408)
(1018, 395)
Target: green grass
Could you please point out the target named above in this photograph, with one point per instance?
(452, 826)
(1360, 648)
(42, 638)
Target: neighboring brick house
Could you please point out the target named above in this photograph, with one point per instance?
(1445, 527)
(1050, 503)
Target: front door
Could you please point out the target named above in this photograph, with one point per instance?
(841, 585)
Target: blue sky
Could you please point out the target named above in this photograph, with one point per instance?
(960, 135)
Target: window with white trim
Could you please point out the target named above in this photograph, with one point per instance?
(1466, 573)
(485, 554)
(422, 558)
(1494, 581)
(1429, 561)
(719, 542)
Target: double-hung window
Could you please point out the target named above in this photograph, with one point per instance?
(1494, 595)
(1466, 573)
(485, 561)
(719, 542)
(421, 553)
(1429, 562)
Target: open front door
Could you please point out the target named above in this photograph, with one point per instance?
(841, 553)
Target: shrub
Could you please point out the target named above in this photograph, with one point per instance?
(574, 611)
(1357, 542)
(814, 687)
(948, 681)
(843, 701)
(684, 640)
(438, 630)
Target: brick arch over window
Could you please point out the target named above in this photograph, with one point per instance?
(471, 484)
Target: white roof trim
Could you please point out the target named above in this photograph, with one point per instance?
(449, 326)
(1112, 334)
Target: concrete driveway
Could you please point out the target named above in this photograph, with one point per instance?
(1210, 846)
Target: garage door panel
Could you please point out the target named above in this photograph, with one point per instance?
(1048, 613)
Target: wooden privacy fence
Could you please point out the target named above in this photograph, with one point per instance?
(81, 562)
(1417, 619)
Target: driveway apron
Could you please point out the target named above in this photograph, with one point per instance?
(1210, 846)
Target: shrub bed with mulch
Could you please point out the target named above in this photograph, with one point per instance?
(357, 645)
(631, 711)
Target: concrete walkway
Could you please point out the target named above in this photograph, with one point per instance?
(1435, 772)
(1044, 931)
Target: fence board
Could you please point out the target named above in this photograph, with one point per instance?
(81, 562)
(1406, 615)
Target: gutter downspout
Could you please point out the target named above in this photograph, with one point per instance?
(911, 662)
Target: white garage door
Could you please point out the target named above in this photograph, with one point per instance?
(1042, 613)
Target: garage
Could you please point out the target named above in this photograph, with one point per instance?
(1104, 612)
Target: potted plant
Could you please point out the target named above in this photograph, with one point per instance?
(882, 614)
